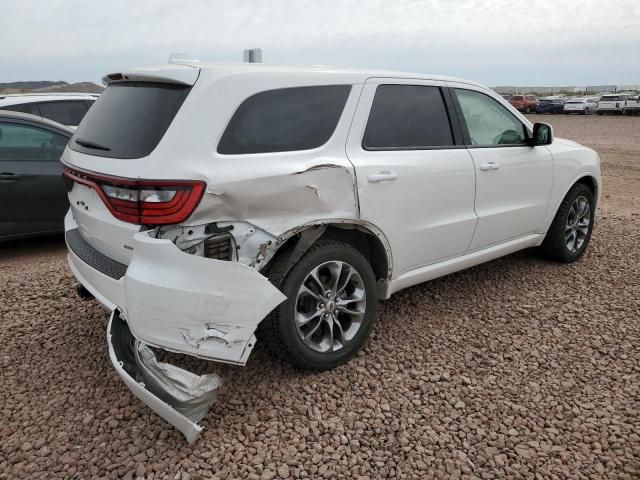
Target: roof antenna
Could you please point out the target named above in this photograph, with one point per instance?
(181, 58)
(252, 55)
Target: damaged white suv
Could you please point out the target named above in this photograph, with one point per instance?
(211, 201)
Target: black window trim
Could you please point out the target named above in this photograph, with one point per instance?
(465, 130)
(454, 124)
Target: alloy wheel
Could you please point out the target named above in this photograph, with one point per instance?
(330, 306)
(577, 226)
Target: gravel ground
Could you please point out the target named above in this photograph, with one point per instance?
(519, 368)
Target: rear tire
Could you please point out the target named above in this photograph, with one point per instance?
(340, 322)
(570, 231)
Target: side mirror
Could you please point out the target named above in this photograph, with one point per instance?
(542, 134)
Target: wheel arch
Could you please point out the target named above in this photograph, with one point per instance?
(363, 236)
(586, 178)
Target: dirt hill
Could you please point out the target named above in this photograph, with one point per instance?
(46, 87)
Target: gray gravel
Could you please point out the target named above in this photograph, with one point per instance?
(520, 368)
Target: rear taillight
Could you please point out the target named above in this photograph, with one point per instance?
(144, 202)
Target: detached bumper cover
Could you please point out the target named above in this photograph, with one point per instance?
(180, 397)
(183, 303)
(172, 300)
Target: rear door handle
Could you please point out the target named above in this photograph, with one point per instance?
(382, 177)
(9, 176)
(489, 166)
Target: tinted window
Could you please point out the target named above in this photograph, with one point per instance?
(66, 112)
(286, 119)
(488, 122)
(129, 119)
(24, 108)
(517, 97)
(23, 142)
(407, 116)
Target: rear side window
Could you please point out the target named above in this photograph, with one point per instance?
(407, 116)
(24, 108)
(286, 119)
(129, 119)
(67, 112)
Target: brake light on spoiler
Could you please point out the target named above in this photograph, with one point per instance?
(143, 202)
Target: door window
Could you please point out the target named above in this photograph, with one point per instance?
(66, 112)
(407, 117)
(23, 142)
(488, 122)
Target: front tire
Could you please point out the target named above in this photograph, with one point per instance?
(330, 307)
(570, 231)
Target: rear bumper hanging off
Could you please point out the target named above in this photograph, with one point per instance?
(182, 303)
(180, 397)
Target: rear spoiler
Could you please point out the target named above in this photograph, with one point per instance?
(179, 74)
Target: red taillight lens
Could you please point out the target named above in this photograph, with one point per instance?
(144, 202)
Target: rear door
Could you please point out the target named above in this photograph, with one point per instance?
(416, 181)
(513, 179)
(33, 198)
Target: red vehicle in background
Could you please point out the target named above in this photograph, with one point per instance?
(524, 103)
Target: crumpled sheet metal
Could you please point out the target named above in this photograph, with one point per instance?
(181, 397)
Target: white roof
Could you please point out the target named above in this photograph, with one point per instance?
(16, 98)
(345, 74)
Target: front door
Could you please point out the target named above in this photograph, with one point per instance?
(33, 198)
(513, 179)
(416, 181)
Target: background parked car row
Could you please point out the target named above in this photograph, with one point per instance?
(610, 103)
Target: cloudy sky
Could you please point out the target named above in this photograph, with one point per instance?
(496, 42)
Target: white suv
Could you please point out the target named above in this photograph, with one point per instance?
(209, 201)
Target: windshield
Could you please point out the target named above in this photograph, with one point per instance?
(129, 119)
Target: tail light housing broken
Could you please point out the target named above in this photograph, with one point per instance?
(142, 202)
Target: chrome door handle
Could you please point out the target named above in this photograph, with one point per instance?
(489, 166)
(382, 176)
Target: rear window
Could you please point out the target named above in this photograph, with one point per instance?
(409, 117)
(129, 119)
(545, 102)
(517, 97)
(286, 119)
(609, 98)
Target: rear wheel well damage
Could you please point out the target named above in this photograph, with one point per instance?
(371, 245)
